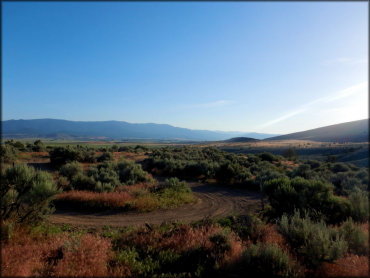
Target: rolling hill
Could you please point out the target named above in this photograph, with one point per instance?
(356, 131)
(110, 130)
(241, 140)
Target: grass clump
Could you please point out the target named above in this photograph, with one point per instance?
(268, 260)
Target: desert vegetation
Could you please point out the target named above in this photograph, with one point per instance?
(316, 214)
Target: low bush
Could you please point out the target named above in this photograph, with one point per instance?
(286, 195)
(26, 194)
(104, 177)
(38, 146)
(8, 153)
(359, 200)
(314, 241)
(130, 173)
(268, 157)
(17, 144)
(71, 170)
(105, 156)
(247, 227)
(268, 260)
(357, 240)
(176, 185)
(62, 155)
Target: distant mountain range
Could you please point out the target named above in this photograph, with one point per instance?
(112, 130)
(356, 131)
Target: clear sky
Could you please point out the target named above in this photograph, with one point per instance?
(242, 66)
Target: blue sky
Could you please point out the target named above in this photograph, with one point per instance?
(263, 67)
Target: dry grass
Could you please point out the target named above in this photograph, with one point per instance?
(104, 199)
(349, 266)
(60, 255)
(133, 197)
(185, 238)
(272, 236)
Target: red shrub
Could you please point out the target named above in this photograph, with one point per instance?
(88, 257)
(56, 256)
(184, 238)
(110, 199)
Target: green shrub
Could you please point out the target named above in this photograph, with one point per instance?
(18, 145)
(71, 170)
(314, 241)
(89, 156)
(176, 185)
(346, 182)
(63, 155)
(125, 149)
(38, 146)
(109, 175)
(268, 157)
(130, 173)
(105, 156)
(83, 182)
(286, 195)
(8, 153)
(232, 173)
(248, 227)
(105, 177)
(64, 183)
(26, 194)
(355, 237)
(268, 260)
(290, 153)
(340, 167)
(360, 205)
(304, 171)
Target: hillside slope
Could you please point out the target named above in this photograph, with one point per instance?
(241, 140)
(356, 131)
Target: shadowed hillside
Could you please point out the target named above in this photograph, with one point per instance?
(241, 140)
(356, 131)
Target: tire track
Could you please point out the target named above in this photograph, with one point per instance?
(213, 201)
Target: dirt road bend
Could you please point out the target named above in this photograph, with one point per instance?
(213, 201)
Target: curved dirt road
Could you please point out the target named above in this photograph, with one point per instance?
(214, 201)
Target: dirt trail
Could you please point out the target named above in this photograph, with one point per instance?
(213, 201)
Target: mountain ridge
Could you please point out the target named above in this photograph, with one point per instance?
(58, 128)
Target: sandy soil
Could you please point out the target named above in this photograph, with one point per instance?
(214, 201)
